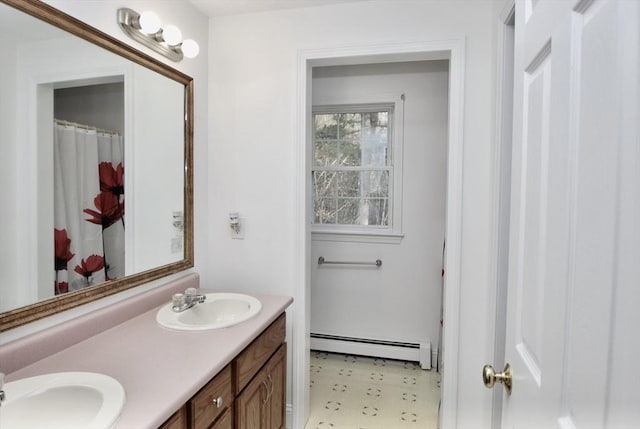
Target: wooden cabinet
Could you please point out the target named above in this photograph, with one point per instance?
(211, 401)
(277, 402)
(252, 358)
(260, 380)
(249, 393)
(226, 421)
(262, 403)
(177, 421)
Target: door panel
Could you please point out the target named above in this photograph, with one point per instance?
(595, 217)
(576, 66)
(250, 409)
(539, 218)
(532, 222)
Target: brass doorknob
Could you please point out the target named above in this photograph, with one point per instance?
(490, 377)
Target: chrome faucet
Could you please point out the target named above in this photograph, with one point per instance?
(1, 385)
(186, 300)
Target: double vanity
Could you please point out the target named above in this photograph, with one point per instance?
(204, 371)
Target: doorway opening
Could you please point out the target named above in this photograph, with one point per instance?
(66, 159)
(88, 182)
(452, 52)
(379, 157)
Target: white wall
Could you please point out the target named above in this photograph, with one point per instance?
(401, 300)
(252, 160)
(8, 172)
(194, 24)
(158, 182)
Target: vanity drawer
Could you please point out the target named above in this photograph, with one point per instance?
(249, 362)
(226, 421)
(212, 400)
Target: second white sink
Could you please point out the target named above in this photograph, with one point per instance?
(64, 400)
(220, 310)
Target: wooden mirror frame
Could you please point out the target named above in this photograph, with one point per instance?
(23, 315)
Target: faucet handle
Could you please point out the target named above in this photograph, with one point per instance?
(177, 299)
(191, 295)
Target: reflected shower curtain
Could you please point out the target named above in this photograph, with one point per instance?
(89, 206)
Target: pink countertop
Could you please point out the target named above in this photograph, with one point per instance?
(160, 369)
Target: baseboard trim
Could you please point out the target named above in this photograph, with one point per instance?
(416, 352)
(289, 417)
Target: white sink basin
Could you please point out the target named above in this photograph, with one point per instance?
(220, 310)
(65, 400)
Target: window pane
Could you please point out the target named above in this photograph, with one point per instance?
(348, 211)
(325, 210)
(324, 183)
(375, 184)
(350, 125)
(325, 153)
(352, 196)
(377, 211)
(350, 154)
(374, 140)
(348, 184)
(326, 126)
(376, 119)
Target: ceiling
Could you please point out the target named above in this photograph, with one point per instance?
(235, 7)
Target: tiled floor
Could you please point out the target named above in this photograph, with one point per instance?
(355, 392)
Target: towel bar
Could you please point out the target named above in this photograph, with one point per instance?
(322, 261)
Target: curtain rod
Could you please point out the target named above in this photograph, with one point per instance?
(84, 127)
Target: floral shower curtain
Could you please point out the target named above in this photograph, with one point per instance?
(89, 206)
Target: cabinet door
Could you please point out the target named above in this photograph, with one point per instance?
(256, 355)
(251, 404)
(262, 403)
(277, 382)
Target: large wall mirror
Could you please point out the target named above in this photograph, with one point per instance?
(96, 166)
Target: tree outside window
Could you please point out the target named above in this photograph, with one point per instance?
(352, 168)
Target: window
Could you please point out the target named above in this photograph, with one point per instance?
(353, 172)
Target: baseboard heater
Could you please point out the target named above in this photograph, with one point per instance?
(416, 352)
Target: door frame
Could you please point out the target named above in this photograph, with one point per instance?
(453, 50)
(504, 141)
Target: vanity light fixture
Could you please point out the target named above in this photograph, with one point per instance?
(146, 29)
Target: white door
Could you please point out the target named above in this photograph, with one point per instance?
(574, 258)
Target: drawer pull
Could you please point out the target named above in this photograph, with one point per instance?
(217, 401)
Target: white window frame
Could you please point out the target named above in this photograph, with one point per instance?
(370, 233)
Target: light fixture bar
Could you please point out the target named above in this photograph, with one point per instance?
(129, 21)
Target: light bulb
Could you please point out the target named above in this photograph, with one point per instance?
(172, 35)
(149, 22)
(190, 48)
